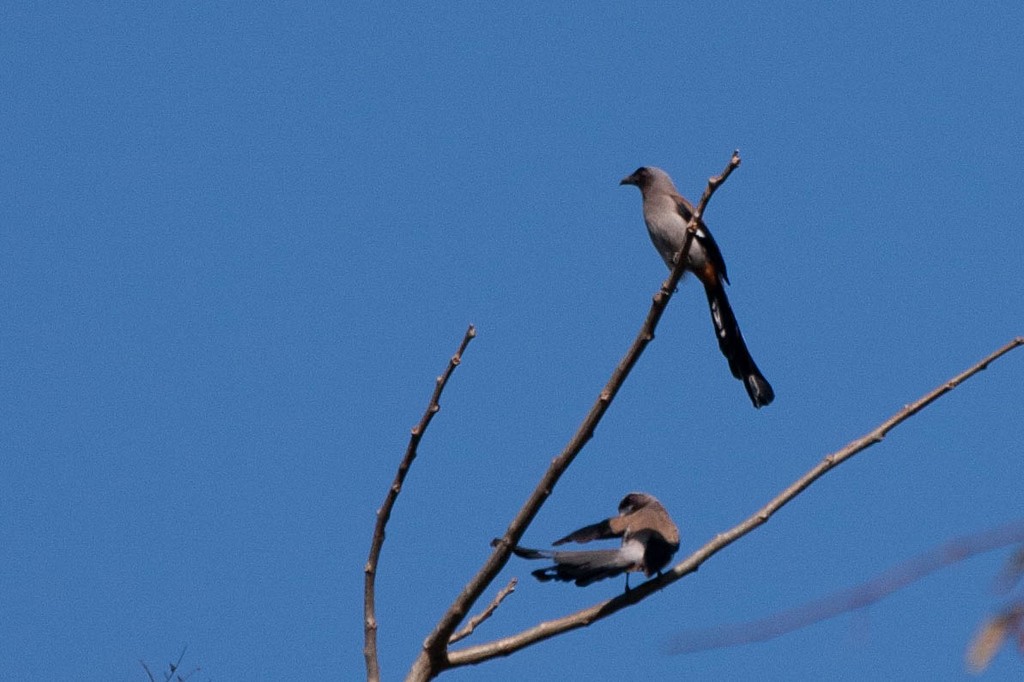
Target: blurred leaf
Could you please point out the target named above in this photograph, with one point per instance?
(987, 643)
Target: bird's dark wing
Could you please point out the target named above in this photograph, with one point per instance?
(609, 528)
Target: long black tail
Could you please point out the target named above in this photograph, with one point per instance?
(730, 341)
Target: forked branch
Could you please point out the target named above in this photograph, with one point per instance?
(592, 614)
(434, 657)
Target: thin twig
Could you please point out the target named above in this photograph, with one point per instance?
(172, 666)
(384, 513)
(434, 657)
(715, 182)
(592, 614)
(852, 598)
(486, 613)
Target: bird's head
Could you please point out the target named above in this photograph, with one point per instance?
(645, 176)
(633, 501)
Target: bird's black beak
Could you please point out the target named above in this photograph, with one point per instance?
(628, 180)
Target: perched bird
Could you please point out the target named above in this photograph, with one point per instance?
(667, 213)
(649, 539)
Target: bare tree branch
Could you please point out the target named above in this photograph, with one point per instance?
(486, 613)
(583, 618)
(865, 594)
(384, 513)
(434, 657)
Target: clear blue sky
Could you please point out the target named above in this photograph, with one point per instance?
(239, 243)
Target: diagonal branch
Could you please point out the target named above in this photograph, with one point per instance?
(851, 599)
(486, 613)
(592, 614)
(434, 656)
(384, 513)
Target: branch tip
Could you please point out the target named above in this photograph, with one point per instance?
(486, 613)
(384, 513)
